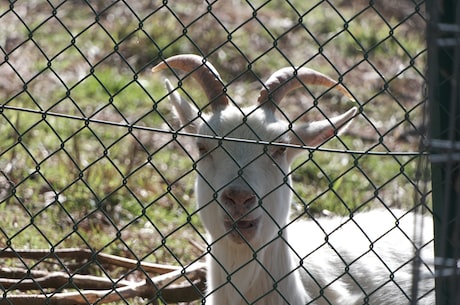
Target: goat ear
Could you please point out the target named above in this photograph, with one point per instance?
(185, 111)
(316, 133)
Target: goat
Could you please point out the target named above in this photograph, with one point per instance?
(243, 189)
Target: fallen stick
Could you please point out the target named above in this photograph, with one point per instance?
(173, 285)
(84, 254)
(33, 280)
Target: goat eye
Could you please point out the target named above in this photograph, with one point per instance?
(202, 149)
(278, 152)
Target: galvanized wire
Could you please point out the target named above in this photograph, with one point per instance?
(91, 156)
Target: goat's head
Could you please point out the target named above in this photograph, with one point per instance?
(243, 188)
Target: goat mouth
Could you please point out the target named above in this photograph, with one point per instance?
(242, 230)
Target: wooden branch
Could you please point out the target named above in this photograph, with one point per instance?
(20, 273)
(173, 285)
(84, 254)
(42, 279)
(165, 285)
(79, 297)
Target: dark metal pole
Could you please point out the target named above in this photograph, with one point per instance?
(444, 109)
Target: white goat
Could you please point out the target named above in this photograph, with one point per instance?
(244, 192)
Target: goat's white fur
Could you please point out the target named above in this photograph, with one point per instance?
(352, 260)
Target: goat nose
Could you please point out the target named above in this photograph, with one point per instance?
(239, 197)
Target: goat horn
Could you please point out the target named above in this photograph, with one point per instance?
(284, 80)
(203, 72)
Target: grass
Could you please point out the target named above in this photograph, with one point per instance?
(70, 182)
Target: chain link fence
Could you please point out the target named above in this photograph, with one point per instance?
(96, 183)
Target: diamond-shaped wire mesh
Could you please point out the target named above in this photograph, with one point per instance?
(92, 157)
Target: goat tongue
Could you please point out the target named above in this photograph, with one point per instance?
(241, 231)
(244, 224)
(240, 224)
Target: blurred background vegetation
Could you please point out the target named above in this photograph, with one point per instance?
(83, 157)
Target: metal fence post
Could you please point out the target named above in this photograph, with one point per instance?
(444, 95)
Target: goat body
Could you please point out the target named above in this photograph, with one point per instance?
(243, 191)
